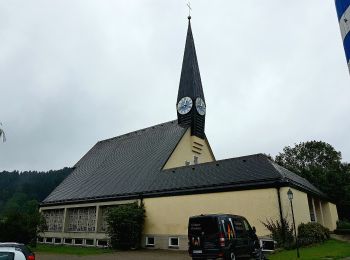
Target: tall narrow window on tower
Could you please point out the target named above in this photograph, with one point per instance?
(191, 108)
(343, 10)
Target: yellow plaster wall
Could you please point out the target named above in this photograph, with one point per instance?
(169, 215)
(187, 148)
(334, 213)
(300, 206)
(330, 215)
(319, 212)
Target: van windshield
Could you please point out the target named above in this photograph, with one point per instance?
(206, 225)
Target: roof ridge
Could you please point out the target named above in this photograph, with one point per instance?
(138, 131)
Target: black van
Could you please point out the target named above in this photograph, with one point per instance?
(222, 236)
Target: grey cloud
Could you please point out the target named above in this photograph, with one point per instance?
(75, 72)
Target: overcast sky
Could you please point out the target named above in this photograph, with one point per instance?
(76, 72)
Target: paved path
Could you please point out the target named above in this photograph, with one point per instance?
(345, 238)
(129, 255)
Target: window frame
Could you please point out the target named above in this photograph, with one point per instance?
(149, 244)
(57, 239)
(89, 239)
(65, 242)
(174, 246)
(49, 242)
(102, 240)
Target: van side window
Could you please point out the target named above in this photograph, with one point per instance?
(239, 228)
(230, 230)
(223, 226)
(246, 225)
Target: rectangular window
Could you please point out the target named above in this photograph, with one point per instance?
(58, 240)
(81, 219)
(54, 219)
(150, 241)
(89, 242)
(68, 241)
(195, 160)
(102, 243)
(173, 242)
(48, 240)
(239, 228)
(40, 239)
(311, 209)
(78, 241)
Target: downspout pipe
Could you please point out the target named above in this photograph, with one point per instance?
(280, 204)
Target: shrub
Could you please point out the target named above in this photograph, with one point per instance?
(343, 224)
(312, 233)
(281, 232)
(125, 225)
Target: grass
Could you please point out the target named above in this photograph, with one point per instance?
(331, 249)
(71, 250)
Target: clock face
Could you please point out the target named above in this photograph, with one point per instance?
(200, 106)
(184, 106)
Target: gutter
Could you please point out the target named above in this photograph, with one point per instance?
(237, 186)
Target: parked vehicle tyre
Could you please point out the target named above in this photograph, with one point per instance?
(231, 256)
(259, 255)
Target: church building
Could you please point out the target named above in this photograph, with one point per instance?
(172, 169)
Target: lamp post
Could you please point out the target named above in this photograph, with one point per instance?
(290, 197)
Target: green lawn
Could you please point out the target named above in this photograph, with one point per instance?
(332, 249)
(71, 250)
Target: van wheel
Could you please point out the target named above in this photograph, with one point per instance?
(231, 256)
(259, 255)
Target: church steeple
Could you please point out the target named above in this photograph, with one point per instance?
(190, 98)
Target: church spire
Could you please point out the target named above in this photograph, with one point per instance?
(190, 98)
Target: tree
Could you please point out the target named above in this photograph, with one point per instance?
(2, 134)
(22, 222)
(20, 192)
(125, 225)
(320, 163)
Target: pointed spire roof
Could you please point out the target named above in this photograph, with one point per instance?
(190, 81)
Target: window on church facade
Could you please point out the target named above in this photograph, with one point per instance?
(104, 212)
(54, 219)
(81, 219)
(174, 242)
(150, 241)
(311, 208)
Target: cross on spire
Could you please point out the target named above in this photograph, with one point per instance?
(189, 9)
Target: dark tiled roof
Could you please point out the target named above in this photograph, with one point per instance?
(130, 165)
(235, 173)
(297, 180)
(120, 165)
